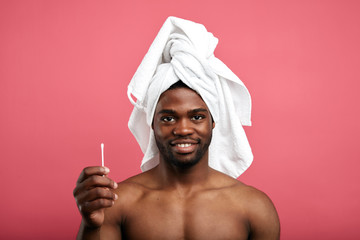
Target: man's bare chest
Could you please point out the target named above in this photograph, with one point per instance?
(167, 216)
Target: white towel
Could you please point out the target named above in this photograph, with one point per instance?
(184, 50)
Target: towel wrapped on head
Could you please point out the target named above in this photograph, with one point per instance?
(184, 50)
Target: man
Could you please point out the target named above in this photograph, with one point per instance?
(180, 196)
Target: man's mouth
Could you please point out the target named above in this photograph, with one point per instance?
(184, 146)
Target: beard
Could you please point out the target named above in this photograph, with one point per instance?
(169, 157)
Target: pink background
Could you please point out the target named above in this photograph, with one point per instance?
(64, 70)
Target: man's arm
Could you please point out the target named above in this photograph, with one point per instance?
(93, 195)
(263, 218)
(108, 230)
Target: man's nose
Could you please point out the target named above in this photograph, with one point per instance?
(183, 128)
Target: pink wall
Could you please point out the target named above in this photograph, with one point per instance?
(65, 66)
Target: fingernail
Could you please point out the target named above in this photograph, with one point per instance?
(115, 185)
(116, 197)
(106, 170)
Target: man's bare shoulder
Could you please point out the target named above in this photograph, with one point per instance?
(234, 186)
(129, 192)
(135, 186)
(240, 190)
(262, 215)
(255, 204)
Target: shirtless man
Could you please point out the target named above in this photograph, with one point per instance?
(182, 197)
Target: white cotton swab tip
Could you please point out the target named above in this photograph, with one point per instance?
(102, 154)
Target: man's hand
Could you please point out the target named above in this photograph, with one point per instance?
(93, 194)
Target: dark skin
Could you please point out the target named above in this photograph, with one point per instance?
(182, 197)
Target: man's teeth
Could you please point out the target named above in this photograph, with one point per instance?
(184, 145)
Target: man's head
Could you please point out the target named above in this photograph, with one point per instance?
(185, 50)
(182, 126)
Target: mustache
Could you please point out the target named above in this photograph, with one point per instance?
(184, 139)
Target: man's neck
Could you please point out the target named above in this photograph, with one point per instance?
(188, 179)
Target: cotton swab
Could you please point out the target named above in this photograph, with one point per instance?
(102, 154)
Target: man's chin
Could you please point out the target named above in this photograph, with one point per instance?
(183, 161)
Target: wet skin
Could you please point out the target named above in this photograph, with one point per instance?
(181, 198)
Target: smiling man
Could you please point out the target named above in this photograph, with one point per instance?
(188, 189)
(182, 127)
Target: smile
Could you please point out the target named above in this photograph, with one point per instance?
(182, 145)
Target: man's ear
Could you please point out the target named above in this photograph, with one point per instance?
(213, 124)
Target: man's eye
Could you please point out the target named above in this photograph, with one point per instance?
(197, 117)
(167, 119)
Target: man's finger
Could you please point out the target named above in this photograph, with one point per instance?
(97, 204)
(93, 182)
(99, 181)
(96, 193)
(89, 171)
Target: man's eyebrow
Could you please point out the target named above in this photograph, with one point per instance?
(170, 111)
(167, 111)
(198, 110)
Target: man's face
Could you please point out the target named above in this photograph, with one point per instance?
(183, 127)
